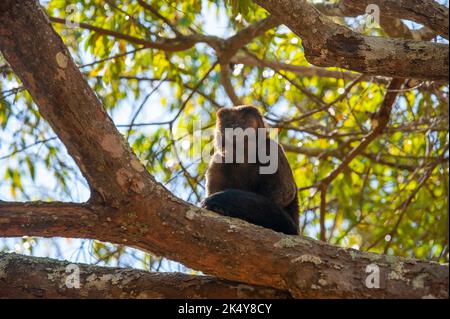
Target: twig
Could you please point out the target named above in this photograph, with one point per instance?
(141, 107)
(28, 146)
(411, 197)
(160, 16)
(380, 122)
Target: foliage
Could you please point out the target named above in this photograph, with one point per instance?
(320, 121)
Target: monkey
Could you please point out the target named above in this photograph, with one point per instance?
(239, 189)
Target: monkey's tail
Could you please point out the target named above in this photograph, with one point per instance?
(253, 208)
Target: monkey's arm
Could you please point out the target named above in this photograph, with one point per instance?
(252, 208)
(280, 187)
(216, 179)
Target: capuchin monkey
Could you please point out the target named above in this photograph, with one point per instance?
(242, 181)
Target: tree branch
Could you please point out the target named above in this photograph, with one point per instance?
(393, 26)
(379, 123)
(76, 115)
(180, 43)
(225, 78)
(329, 44)
(303, 266)
(141, 213)
(303, 71)
(33, 277)
(156, 13)
(404, 206)
(48, 219)
(245, 36)
(426, 12)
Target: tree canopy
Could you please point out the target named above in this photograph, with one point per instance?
(163, 68)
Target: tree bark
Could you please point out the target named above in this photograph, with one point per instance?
(329, 44)
(305, 267)
(131, 208)
(33, 277)
(426, 12)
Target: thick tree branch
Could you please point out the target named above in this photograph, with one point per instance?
(329, 44)
(48, 219)
(426, 12)
(143, 214)
(33, 277)
(45, 67)
(394, 27)
(304, 266)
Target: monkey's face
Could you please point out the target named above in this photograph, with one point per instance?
(231, 122)
(244, 117)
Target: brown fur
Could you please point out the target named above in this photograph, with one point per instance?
(279, 187)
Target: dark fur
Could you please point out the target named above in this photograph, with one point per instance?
(239, 190)
(252, 208)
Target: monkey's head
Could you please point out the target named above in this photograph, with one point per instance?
(246, 116)
(240, 117)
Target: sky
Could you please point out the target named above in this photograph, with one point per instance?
(45, 185)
